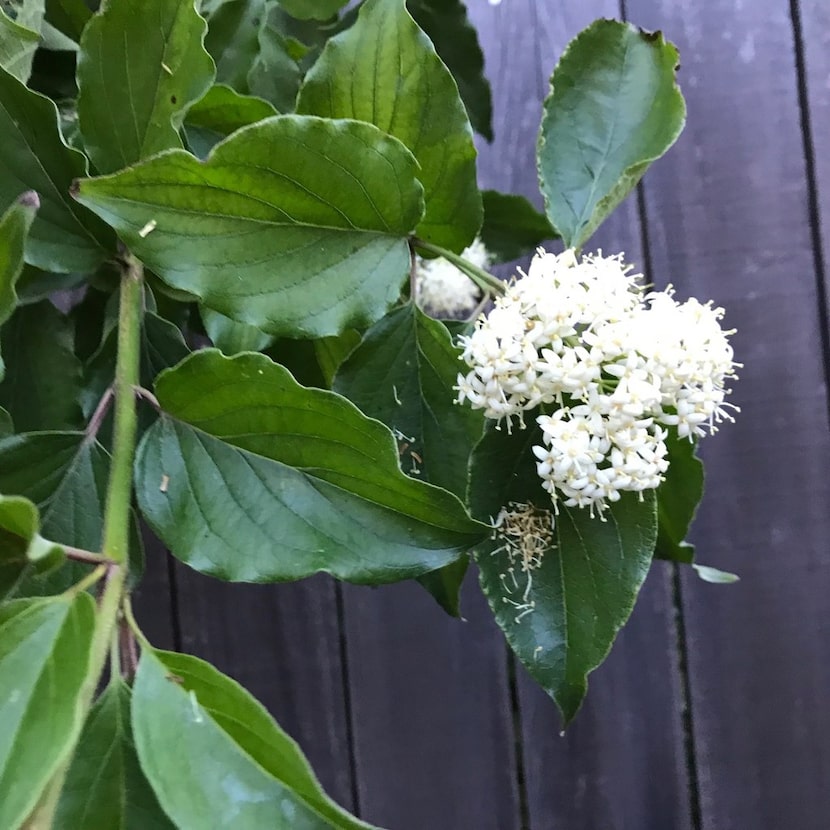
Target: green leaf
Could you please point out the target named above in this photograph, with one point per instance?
(65, 236)
(276, 72)
(677, 500)
(456, 41)
(54, 40)
(403, 374)
(149, 58)
(6, 425)
(21, 544)
(105, 786)
(222, 111)
(715, 576)
(613, 109)
(384, 70)
(301, 228)
(251, 477)
(19, 39)
(65, 475)
(216, 758)
(512, 226)
(43, 377)
(232, 337)
(332, 351)
(68, 16)
(561, 617)
(445, 585)
(312, 9)
(44, 652)
(14, 228)
(233, 40)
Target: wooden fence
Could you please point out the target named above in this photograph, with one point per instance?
(714, 709)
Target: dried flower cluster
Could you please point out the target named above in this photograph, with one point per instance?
(615, 366)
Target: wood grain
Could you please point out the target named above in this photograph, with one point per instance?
(603, 774)
(728, 219)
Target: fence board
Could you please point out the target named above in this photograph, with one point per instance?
(432, 727)
(152, 599)
(282, 643)
(728, 219)
(621, 765)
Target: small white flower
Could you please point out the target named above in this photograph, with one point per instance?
(444, 291)
(618, 365)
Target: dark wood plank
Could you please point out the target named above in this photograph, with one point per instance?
(621, 765)
(728, 219)
(152, 598)
(282, 643)
(432, 726)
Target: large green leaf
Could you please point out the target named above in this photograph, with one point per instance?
(216, 758)
(6, 425)
(33, 156)
(44, 653)
(140, 67)
(19, 38)
(21, 545)
(456, 41)
(403, 374)
(613, 109)
(251, 477)
(105, 787)
(677, 500)
(561, 616)
(43, 376)
(14, 228)
(384, 70)
(65, 475)
(295, 225)
(512, 226)
(222, 111)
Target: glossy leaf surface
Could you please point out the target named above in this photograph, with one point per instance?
(140, 67)
(295, 225)
(216, 758)
(251, 477)
(384, 70)
(65, 236)
(44, 652)
(613, 109)
(105, 786)
(561, 616)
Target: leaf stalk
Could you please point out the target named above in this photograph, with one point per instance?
(483, 279)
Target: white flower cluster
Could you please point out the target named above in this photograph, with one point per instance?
(444, 291)
(615, 366)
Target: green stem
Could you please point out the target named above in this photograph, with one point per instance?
(483, 279)
(119, 493)
(116, 514)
